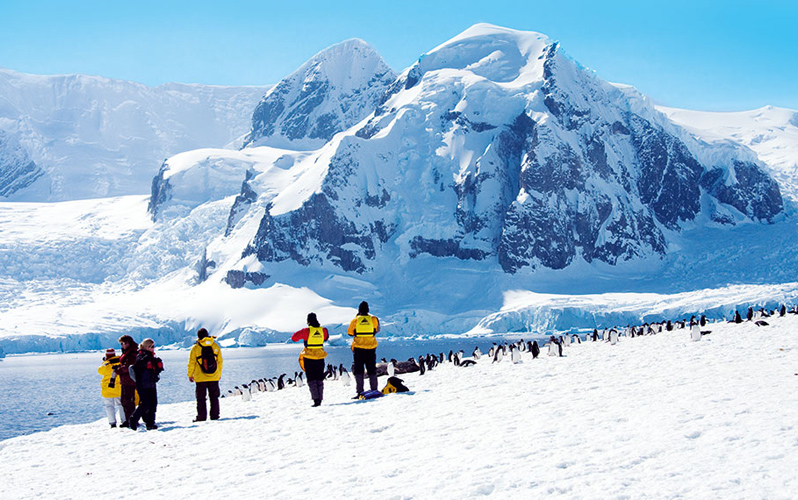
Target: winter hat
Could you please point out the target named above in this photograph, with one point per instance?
(110, 353)
(202, 333)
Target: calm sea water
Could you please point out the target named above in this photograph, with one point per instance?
(42, 391)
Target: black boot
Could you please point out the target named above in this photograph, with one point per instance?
(316, 402)
(359, 384)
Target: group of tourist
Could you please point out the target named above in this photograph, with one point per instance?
(129, 381)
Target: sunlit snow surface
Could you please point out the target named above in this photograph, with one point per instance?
(654, 417)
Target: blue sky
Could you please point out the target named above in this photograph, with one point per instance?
(720, 56)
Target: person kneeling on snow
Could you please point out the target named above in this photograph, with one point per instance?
(111, 386)
(312, 358)
(205, 369)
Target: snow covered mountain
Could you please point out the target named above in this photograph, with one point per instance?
(92, 137)
(496, 147)
(17, 170)
(771, 132)
(331, 92)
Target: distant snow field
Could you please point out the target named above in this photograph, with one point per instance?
(652, 417)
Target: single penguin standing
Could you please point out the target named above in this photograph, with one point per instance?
(535, 349)
(695, 332)
(515, 354)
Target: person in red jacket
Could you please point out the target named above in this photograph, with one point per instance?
(312, 358)
(126, 360)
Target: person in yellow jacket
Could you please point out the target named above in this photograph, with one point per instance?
(312, 358)
(364, 328)
(205, 369)
(111, 386)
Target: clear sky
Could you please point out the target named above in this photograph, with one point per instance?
(719, 55)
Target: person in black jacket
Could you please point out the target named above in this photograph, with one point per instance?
(146, 370)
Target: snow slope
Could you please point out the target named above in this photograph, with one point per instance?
(95, 137)
(771, 132)
(655, 417)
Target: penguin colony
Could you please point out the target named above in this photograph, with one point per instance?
(513, 351)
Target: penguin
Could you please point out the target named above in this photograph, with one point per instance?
(300, 379)
(237, 391)
(245, 392)
(492, 351)
(515, 355)
(535, 349)
(422, 365)
(451, 355)
(344, 376)
(497, 357)
(695, 332)
(392, 368)
(468, 362)
(703, 320)
(750, 314)
(456, 359)
(281, 382)
(566, 340)
(554, 346)
(613, 336)
(578, 340)
(254, 386)
(782, 310)
(762, 323)
(271, 385)
(737, 318)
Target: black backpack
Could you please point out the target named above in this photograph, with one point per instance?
(207, 360)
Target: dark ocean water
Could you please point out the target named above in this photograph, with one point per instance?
(42, 391)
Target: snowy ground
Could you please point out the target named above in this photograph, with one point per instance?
(652, 417)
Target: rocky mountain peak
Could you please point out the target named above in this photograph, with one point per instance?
(335, 89)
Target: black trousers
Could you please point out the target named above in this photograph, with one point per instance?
(365, 358)
(128, 399)
(212, 389)
(314, 370)
(148, 403)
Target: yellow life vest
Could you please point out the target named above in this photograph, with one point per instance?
(364, 326)
(315, 338)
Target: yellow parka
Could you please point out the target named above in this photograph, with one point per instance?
(364, 328)
(107, 371)
(195, 357)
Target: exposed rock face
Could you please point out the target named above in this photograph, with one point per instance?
(17, 170)
(161, 191)
(336, 89)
